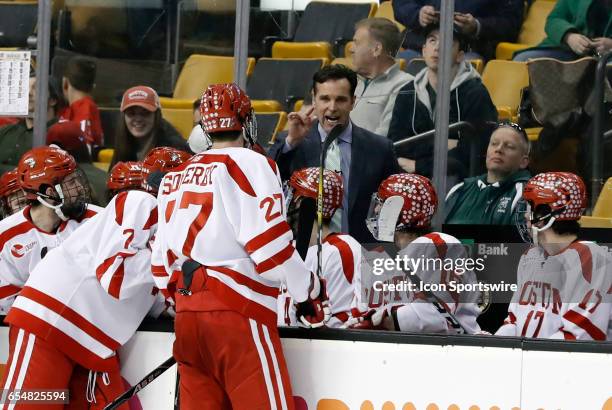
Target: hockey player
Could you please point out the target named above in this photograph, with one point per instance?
(124, 176)
(222, 220)
(12, 198)
(340, 253)
(58, 195)
(563, 283)
(401, 212)
(70, 327)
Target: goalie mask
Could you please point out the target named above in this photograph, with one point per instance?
(50, 166)
(225, 107)
(403, 201)
(550, 197)
(157, 163)
(124, 176)
(303, 187)
(12, 198)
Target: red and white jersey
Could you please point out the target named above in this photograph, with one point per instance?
(89, 295)
(419, 315)
(562, 296)
(22, 246)
(341, 269)
(225, 209)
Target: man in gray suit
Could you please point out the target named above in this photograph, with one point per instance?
(363, 158)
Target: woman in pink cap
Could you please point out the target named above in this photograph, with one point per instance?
(142, 126)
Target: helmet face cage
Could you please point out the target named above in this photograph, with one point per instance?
(12, 203)
(42, 167)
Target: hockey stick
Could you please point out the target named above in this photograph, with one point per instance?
(331, 137)
(141, 384)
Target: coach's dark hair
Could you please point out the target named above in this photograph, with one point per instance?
(335, 72)
(566, 227)
(81, 73)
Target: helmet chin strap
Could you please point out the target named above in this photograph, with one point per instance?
(56, 208)
(535, 230)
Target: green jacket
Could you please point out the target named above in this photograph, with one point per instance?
(474, 201)
(570, 15)
(15, 140)
(97, 182)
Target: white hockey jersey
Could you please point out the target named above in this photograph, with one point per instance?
(418, 314)
(341, 269)
(562, 296)
(21, 246)
(89, 295)
(225, 209)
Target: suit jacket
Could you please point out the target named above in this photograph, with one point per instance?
(372, 161)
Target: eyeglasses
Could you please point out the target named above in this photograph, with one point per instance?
(515, 127)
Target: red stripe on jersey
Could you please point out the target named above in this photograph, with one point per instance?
(586, 259)
(273, 165)
(63, 342)
(342, 316)
(267, 236)
(8, 290)
(169, 210)
(567, 335)
(241, 279)
(239, 303)
(101, 270)
(346, 255)
(171, 257)
(278, 259)
(441, 246)
(271, 371)
(70, 315)
(152, 220)
(159, 271)
(120, 206)
(585, 324)
(18, 229)
(232, 168)
(114, 287)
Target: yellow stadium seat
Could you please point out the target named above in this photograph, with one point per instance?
(180, 118)
(198, 73)
(532, 31)
(504, 81)
(603, 207)
(386, 10)
(315, 49)
(298, 105)
(106, 155)
(595, 222)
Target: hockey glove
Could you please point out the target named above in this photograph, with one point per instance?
(314, 311)
(372, 320)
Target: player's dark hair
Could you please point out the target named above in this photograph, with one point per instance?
(416, 231)
(566, 227)
(335, 72)
(225, 136)
(81, 73)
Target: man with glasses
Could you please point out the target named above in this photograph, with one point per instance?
(491, 198)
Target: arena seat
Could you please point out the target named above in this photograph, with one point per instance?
(17, 22)
(180, 118)
(279, 83)
(603, 207)
(385, 10)
(269, 124)
(532, 30)
(310, 33)
(198, 73)
(504, 81)
(106, 155)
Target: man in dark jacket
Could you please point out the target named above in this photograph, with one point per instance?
(363, 158)
(492, 198)
(415, 107)
(486, 22)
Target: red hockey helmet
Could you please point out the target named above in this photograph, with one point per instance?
(43, 166)
(563, 193)
(402, 201)
(305, 183)
(159, 161)
(125, 175)
(225, 107)
(12, 198)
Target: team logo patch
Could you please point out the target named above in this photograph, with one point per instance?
(31, 162)
(17, 250)
(138, 95)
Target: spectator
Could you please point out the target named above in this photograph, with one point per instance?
(379, 76)
(142, 126)
(77, 83)
(491, 198)
(485, 22)
(334, 97)
(574, 29)
(16, 139)
(68, 136)
(415, 107)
